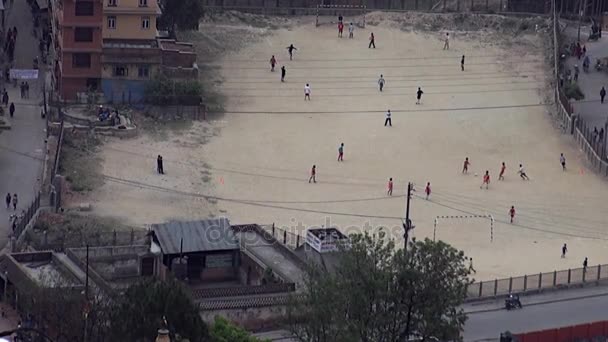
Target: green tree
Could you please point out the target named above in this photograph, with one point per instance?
(146, 306)
(180, 14)
(224, 331)
(378, 293)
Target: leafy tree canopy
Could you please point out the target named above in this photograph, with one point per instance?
(140, 312)
(224, 331)
(382, 294)
(181, 14)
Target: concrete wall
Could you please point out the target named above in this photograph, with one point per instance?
(107, 72)
(123, 90)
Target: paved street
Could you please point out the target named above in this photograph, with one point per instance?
(21, 148)
(590, 109)
(564, 311)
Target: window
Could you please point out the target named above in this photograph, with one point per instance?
(111, 22)
(83, 34)
(143, 3)
(145, 23)
(84, 8)
(143, 71)
(112, 3)
(81, 60)
(120, 71)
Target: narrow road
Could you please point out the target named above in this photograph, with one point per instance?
(21, 148)
(486, 325)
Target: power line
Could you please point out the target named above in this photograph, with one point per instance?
(390, 77)
(451, 65)
(531, 105)
(394, 94)
(347, 85)
(457, 57)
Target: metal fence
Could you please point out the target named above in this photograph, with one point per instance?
(20, 221)
(289, 239)
(537, 282)
(304, 7)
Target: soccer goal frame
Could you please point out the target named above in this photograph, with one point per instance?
(465, 217)
(333, 9)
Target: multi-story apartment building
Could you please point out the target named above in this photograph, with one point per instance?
(131, 54)
(77, 30)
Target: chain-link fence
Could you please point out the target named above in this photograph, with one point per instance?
(539, 281)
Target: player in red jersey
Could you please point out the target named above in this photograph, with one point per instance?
(465, 168)
(427, 190)
(501, 176)
(512, 213)
(390, 187)
(486, 180)
(340, 29)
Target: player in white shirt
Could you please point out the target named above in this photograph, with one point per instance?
(307, 92)
(351, 30)
(522, 173)
(388, 121)
(446, 44)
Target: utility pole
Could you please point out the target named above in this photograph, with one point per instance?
(582, 8)
(86, 299)
(407, 224)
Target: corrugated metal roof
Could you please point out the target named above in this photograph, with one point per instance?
(198, 236)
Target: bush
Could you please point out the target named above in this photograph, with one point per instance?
(165, 91)
(573, 91)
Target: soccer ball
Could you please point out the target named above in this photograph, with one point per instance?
(475, 174)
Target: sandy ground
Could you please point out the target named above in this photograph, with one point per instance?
(256, 158)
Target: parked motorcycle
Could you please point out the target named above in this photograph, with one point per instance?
(512, 302)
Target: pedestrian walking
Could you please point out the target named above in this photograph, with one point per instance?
(427, 190)
(585, 263)
(465, 167)
(381, 82)
(372, 41)
(15, 200)
(283, 72)
(564, 250)
(512, 213)
(22, 89)
(419, 95)
(575, 72)
(273, 62)
(313, 174)
(602, 94)
(388, 121)
(562, 160)
(390, 187)
(159, 165)
(290, 49)
(522, 173)
(601, 134)
(351, 31)
(11, 109)
(5, 97)
(8, 200)
(341, 152)
(307, 92)
(503, 168)
(486, 180)
(462, 63)
(340, 28)
(446, 41)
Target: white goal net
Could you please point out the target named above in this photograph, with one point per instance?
(329, 14)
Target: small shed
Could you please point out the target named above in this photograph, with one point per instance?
(204, 250)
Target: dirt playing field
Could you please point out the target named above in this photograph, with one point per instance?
(256, 158)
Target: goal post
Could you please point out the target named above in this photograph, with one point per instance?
(465, 217)
(325, 12)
